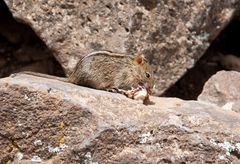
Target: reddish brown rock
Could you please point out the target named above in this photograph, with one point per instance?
(223, 89)
(55, 122)
(173, 35)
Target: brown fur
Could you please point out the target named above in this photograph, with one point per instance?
(105, 70)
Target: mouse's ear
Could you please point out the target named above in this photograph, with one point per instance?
(138, 59)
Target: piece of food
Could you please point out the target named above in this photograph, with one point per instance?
(139, 93)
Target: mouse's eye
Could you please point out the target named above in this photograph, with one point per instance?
(148, 75)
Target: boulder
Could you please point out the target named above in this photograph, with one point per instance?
(223, 89)
(49, 121)
(21, 49)
(172, 35)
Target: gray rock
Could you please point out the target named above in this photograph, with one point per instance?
(21, 49)
(173, 35)
(41, 118)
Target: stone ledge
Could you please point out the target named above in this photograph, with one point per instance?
(57, 122)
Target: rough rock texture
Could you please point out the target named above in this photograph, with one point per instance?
(21, 49)
(55, 122)
(223, 89)
(172, 34)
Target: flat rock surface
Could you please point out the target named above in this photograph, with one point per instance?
(172, 35)
(50, 121)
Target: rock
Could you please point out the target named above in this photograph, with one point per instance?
(21, 49)
(173, 35)
(223, 89)
(230, 62)
(49, 121)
